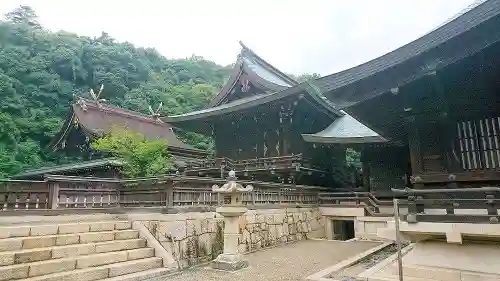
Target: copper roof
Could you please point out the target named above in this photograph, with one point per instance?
(345, 130)
(98, 119)
(261, 73)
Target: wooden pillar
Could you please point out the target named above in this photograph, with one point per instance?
(414, 146)
(447, 125)
(169, 194)
(366, 169)
(53, 195)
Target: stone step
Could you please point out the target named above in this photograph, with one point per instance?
(25, 270)
(17, 243)
(62, 228)
(40, 254)
(102, 272)
(141, 275)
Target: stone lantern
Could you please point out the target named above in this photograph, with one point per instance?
(231, 259)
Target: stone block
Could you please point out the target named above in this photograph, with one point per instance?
(134, 266)
(205, 225)
(39, 242)
(101, 259)
(454, 237)
(73, 228)
(123, 225)
(120, 245)
(176, 229)
(68, 239)
(96, 237)
(428, 273)
(306, 227)
(32, 256)
(229, 263)
(14, 231)
(270, 219)
(475, 276)
(73, 251)
(90, 274)
(102, 226)
(41, 230)
(140, 253)
(51, 266)
(261, 218)
(126, 234)
(11, 272)
(285, 229)
(250, 218)
(6, 259)
(193, 227)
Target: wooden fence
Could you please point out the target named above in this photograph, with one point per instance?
(66, 192)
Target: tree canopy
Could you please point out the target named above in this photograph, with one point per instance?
(40, 71)
(140, 157)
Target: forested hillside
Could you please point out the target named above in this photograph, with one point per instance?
(40, 71)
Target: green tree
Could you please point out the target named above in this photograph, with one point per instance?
(40, 71)
(23, 15)
(140, 157)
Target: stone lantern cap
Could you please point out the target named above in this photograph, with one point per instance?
(232, 186)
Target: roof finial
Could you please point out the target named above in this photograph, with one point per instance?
(243, 45)
(155, 114)
(96, 97)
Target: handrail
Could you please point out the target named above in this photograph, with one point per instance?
(445, 190)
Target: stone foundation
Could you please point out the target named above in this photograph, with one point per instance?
(193, 238)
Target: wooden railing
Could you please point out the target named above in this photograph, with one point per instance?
(267, 163)
(24, 195)
(68, 192)
(466, 205)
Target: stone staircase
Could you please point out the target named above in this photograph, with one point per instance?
(80, 251)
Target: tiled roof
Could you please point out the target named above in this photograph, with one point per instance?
(307, 87)
(471, 18)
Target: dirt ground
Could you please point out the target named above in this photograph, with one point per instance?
(290, 262)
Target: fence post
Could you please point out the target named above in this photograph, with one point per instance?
(411, 217)
(53, 195)
(169, 194)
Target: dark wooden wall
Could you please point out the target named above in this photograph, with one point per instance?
(385, 168)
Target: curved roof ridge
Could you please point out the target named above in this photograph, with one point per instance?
(469, 19)
(262, 61)
(463, 11)
(124, 112)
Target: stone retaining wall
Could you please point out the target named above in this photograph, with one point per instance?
(193, 238)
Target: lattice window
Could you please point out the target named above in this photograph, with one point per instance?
(479, 142)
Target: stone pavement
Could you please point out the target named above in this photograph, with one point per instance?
(290, 262)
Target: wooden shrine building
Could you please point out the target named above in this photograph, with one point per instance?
(89, 119)
(435, 100)
(257, 121)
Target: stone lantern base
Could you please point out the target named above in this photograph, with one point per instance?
(229, 262)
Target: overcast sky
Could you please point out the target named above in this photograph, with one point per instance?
(297, 36)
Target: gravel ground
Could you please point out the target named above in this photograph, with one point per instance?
(291, 262)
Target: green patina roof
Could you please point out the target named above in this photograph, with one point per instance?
(345, 130)
(69, 167)
(249, 102)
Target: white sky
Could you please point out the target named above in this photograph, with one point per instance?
(297, 36)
